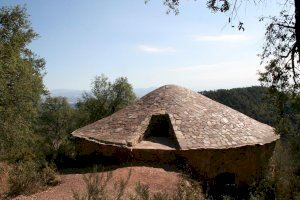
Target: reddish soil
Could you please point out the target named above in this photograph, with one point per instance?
(156, 178)
(4, 168)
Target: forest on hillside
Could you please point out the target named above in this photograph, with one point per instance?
(252, 101)
(258, 103)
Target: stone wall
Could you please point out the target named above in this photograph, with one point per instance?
(246, 163)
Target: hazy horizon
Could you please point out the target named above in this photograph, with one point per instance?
(74, 95)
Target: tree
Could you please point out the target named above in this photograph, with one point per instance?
(105, 98)
(21, 84)
(122, 94)
(55, 124)
(281, 54)
(21, 87)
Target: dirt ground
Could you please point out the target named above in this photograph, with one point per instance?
(156, 178)
(3, 178)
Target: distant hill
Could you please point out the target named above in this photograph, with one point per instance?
(252, 101)
(71, 95)
(74, 95)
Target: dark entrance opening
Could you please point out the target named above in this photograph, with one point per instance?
(160, 130)
(227, 185)
(223, 185)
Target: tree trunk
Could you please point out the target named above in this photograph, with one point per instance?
(297, 26)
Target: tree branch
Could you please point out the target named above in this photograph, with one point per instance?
(293, 68)
(290, 51)
(285, 26)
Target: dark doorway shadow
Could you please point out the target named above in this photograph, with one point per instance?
(223, 185)
(160, 130)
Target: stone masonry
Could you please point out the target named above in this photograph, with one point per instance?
(198, 122)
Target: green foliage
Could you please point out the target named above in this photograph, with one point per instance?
(21, 85)
(263, 190)
(49, 176)
(28, 177)
(121, 186)
(23, 178)
(188, 189)
(281, 53)
(281, 180)
(276, 109)
(160, 196)
(96, 187)
(34, 133)
(55, 123)
(284, 165)
(105, 99)
(255, 102)
(142, 192)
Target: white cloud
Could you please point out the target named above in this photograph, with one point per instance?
(152, 49)
(220, 38)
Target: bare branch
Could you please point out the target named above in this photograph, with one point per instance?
(290, 51)
(293, 68)
(285, 26)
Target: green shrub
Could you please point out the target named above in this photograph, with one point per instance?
(280, 181)
(263, 190)
(23, 178)
(49, 176)
(141, 192)
(160, 196)
(121, 186)
(28, 177)
(283, 170)
(95, 186)
(188, 189)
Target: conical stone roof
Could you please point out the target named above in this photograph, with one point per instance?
(198, 122)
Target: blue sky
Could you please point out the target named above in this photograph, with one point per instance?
(196, 49)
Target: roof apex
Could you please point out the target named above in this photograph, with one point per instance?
(198, 122)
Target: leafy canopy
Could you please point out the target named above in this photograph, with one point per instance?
(21, 85)
(105, 98)
(55, 123)
(280, 53)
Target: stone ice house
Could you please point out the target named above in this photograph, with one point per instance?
(173, 124)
